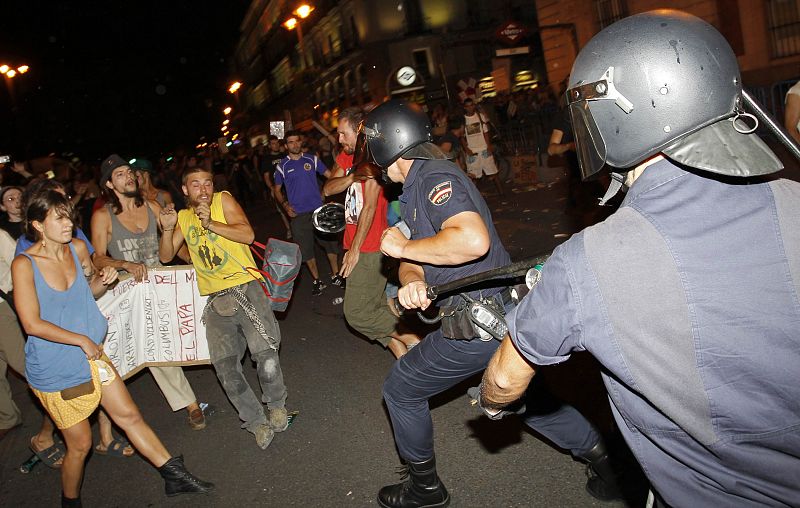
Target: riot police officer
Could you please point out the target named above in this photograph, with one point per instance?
(688, 294)
(452, 236)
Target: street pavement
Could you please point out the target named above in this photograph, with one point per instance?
(339, 449)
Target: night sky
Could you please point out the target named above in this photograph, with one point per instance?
(134, 77)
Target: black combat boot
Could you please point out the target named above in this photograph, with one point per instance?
(70, 502)
(422, 488)
(602, 483)
(177, 480)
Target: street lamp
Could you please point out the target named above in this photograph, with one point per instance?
(227, 111)
(235, 86)
(301, 12)
(10, 72)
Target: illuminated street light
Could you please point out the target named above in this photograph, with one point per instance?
(290, 24)
(227, 111)
(10, 72)
(303, 11)
(226, 122)
(235, 86)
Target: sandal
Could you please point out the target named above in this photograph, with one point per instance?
(116, 448)
(51, 456)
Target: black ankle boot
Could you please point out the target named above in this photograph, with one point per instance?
(602, 483)
(422, 489)
(177, 480)
(70, 502)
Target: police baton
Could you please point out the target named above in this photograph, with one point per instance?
(530, 267)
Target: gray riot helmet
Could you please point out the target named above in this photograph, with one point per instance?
(663, 81)
(399, 129)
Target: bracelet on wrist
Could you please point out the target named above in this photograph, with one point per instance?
(165, 230)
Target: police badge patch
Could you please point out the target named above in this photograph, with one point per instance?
(307, 166)
(441, 193)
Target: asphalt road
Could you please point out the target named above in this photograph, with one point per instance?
(339, 450)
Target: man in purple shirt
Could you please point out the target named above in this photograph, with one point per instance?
(298, 173)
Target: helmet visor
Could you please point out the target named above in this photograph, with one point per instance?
(589, 144)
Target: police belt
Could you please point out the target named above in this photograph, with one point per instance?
(455, 314)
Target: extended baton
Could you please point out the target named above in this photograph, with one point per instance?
(512, 270)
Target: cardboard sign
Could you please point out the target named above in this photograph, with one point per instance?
(156, 322)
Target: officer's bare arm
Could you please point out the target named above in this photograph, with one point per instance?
(463, 238)
(506, 377)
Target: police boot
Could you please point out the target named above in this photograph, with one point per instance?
(177, 480)
(422, 488)
(602, 483)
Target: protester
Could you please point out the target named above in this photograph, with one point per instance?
(700, 356)
(11, 204)
(298, 173)
(269, 163)
(365, 307)
(125, 236)
(55, 284)
(237, 314)
(144, 171)
(12, 343)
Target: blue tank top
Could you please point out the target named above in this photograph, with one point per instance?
(52, 366)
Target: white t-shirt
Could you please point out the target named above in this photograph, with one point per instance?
(796, 91)
(475, 126)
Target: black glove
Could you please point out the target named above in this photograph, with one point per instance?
(515, 408)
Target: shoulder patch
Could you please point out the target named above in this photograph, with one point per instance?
(441, 193)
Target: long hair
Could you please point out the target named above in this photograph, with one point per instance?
(38, 204)
(111, 198)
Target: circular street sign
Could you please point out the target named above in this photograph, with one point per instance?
(406, 75)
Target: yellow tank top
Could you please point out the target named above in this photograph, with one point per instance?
(217, 261)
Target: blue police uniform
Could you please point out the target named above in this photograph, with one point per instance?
(435, 190)
(688, 295)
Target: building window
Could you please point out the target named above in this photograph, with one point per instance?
(783, 21)
(422, 62)
(361, 77)
(610, 11)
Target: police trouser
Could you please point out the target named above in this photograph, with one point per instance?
(436, 364)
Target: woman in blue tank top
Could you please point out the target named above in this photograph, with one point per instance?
(55, 284)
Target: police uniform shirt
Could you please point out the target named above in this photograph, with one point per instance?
(299, 178)
(434, 191)
(688, 295)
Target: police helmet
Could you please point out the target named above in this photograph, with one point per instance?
(663, 81)
(399, 129)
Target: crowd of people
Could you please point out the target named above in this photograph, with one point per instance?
(702, 386)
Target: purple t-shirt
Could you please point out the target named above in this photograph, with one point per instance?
(299, 177)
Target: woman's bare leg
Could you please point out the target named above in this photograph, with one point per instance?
(79, 442)
(120, 407)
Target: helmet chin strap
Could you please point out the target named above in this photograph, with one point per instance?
(617, 182)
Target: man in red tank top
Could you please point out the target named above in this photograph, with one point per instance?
(365, 306)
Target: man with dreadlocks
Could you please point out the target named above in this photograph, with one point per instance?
(238, 314)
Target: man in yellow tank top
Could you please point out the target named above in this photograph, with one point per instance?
(238, 315)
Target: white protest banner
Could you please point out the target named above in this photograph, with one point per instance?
(155, 322)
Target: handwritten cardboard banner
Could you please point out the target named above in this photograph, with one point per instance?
(155, 322)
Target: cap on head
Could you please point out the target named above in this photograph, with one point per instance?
(108, 166)
(142, 165)
(399, 129)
